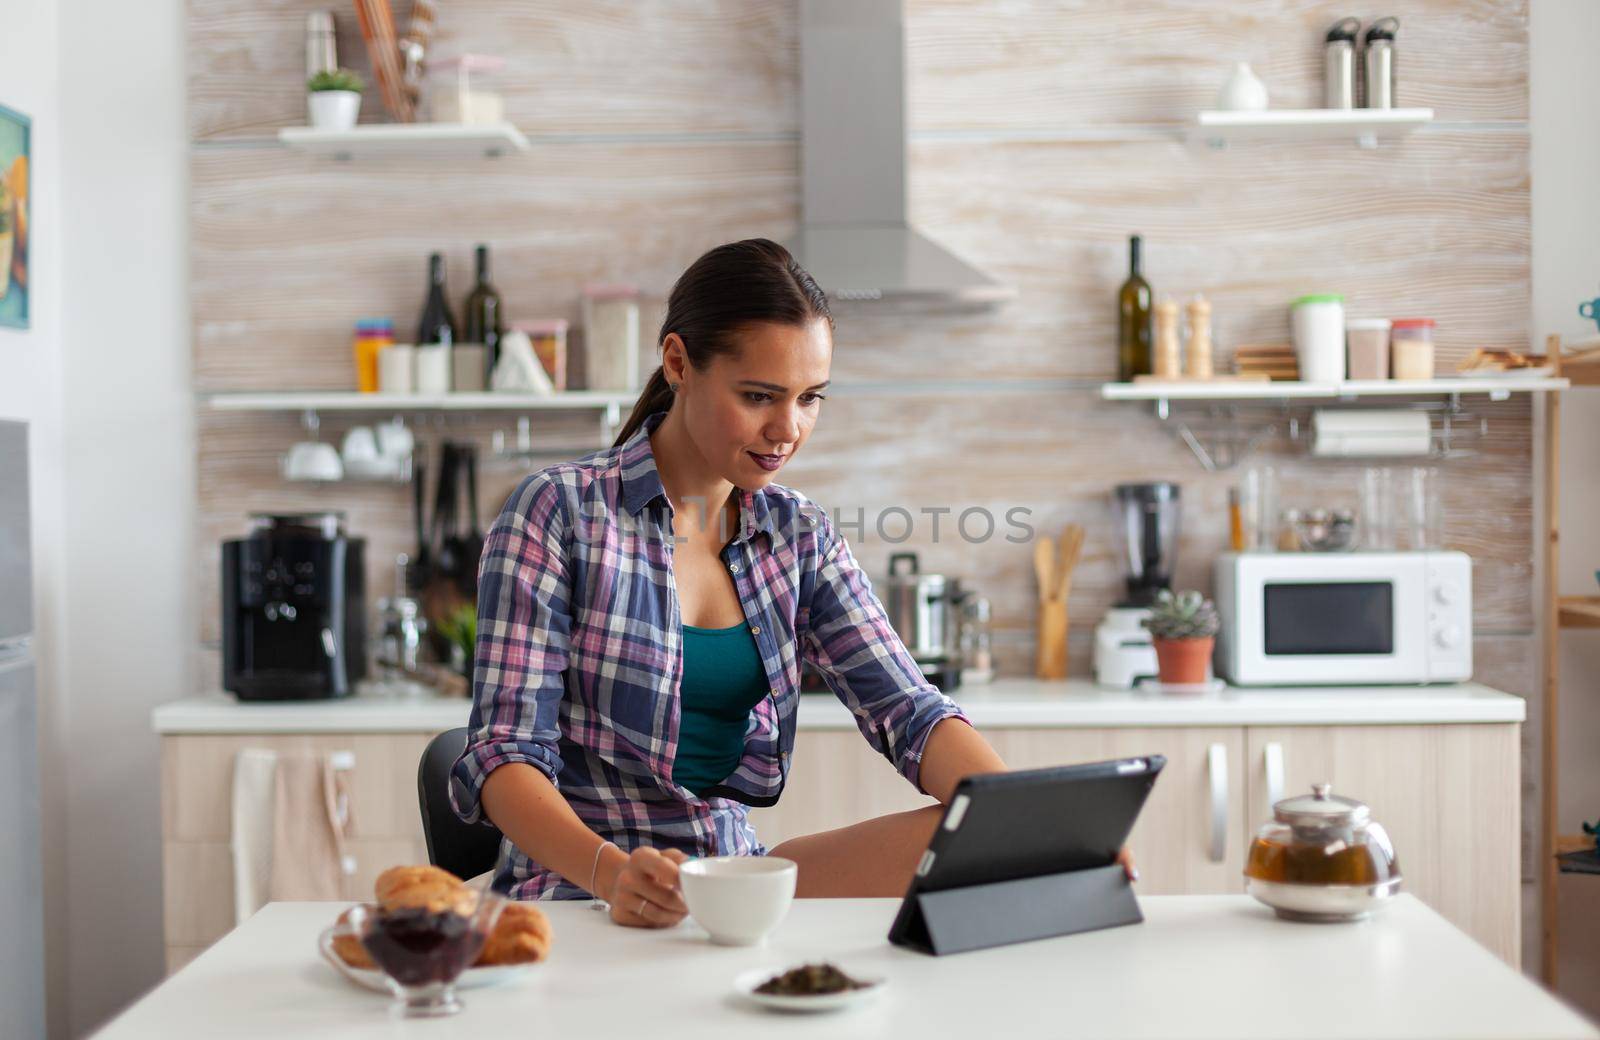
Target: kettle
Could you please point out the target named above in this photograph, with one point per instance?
(925, 610)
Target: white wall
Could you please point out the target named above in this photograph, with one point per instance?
(1564, 81)
(103, 378)
(30, 390)
(128, 446)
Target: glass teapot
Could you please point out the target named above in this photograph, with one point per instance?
(1323, 858)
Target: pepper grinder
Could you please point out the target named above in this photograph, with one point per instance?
(1199, 355)
(1165, 361)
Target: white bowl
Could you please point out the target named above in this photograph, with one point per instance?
(738, 899)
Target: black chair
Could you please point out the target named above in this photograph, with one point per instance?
(464, 849)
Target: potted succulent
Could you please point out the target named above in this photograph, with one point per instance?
(1184, 629)
(334, 98)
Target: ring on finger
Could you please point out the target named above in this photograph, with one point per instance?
(643, 902)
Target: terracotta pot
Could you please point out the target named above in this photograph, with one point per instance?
(1184, 660)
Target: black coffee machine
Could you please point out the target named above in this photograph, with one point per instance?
(293, 609)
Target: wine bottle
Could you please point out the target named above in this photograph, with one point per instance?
(436, 325)
(483, 316)
(1133, 320)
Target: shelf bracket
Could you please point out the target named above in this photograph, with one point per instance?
(1219, 444)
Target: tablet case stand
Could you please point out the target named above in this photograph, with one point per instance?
(977, 916)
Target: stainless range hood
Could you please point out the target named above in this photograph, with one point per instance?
(854, 238)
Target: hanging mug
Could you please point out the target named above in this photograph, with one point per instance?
(1591, 309)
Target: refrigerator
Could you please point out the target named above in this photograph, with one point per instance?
(21, 869)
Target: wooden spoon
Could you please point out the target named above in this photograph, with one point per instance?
(1044, 566)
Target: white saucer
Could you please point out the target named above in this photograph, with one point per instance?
(1156, 686)
(745, 985)
(372, 978)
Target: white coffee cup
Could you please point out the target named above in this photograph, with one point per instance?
(313, 460)
(738, 899)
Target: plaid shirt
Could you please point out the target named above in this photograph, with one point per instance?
(579, 657)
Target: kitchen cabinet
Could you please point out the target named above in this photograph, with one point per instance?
(1439, 766)
(1447, 795)
(197, 821)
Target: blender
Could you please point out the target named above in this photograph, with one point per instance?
(1145, 533)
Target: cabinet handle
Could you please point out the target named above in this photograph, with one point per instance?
(1272, 759)
(1217, 760)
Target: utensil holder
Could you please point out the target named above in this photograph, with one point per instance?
(1052, 656)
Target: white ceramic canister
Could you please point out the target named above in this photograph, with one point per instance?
(1317, 321)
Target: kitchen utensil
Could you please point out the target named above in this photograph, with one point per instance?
(924, 610)
(312, 460)
(422, 952)
(442, 594)
(1378, 60)
(1258, 504)
(1320, 530)
(422, 561)
(1055, 564)
(377, 29)
(1423, 520)
(748, 982)
(1322, 858)
(371, 978)
(1243, 91)
(1318, 323)
(1339, 64)
(471, 544)
(738, 899)
(1145, 525)
(1377, 509)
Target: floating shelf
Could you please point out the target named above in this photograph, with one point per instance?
(1365, 126)
(1191, 390)
(393, 140)
(352, 401)
(1580, 611)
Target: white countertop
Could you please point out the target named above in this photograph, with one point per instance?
(1199, 966)
(1003, 703)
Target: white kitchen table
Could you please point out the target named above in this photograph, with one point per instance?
(1200, 966)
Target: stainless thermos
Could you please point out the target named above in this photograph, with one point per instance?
(1339, 64)
(1379, 63)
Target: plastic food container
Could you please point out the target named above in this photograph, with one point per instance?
(1318, 324)
(611, 336)
(1367, 347)
(1411, 348)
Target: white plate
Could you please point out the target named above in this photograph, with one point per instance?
(1537, 372)
(745, 985)
(372, 978)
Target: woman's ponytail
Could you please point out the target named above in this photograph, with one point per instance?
(656, 397)
(742, 283)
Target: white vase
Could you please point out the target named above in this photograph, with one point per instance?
(1243, 92)
(334, 109)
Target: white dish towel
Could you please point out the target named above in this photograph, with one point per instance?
(291, 827)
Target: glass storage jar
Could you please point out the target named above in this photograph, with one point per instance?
(1322, 858)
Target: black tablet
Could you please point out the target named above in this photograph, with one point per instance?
(1029, 824)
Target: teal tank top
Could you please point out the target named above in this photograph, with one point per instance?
(722, 682)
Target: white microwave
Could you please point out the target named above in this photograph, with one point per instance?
(1301, 618)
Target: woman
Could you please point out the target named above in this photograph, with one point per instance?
(643, 614)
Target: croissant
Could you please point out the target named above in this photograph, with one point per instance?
(520, 936)
(427, 888)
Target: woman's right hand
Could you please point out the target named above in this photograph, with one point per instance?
(646, 893)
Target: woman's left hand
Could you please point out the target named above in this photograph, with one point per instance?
(1125, 857)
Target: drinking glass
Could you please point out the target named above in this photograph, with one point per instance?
(421, 951)
(1258, 508)
(1377, 508)
(1422, 508)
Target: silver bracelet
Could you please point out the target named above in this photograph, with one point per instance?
(596, 902)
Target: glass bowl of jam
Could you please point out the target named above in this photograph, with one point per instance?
(1322, 858)
(422, 950)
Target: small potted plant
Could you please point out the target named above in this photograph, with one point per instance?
(1184, 629)
(334, 98)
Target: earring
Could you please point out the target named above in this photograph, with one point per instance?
(673, 387)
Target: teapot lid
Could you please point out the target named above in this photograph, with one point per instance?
(1322, 808)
